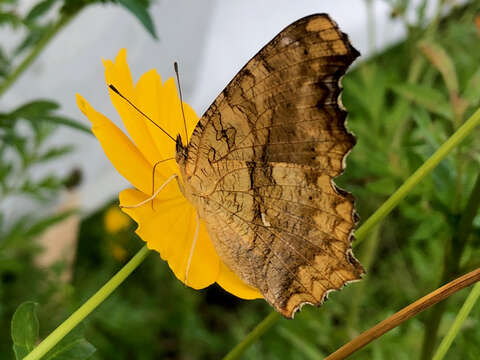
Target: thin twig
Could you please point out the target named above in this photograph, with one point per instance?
(405, 314)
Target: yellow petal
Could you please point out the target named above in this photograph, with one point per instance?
(168, 223)
(169, 228)
(171, 111)
(149, 89)
(123, 154)
(118, 74)
(228, 280)
(162, 103)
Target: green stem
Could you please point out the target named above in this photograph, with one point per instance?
(457, 324)
(367, 258)
(418, 175)
(374, 219)
(11, 78)
(453, 253)
(51, 340)
(253, 336)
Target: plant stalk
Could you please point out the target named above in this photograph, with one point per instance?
(405, 314)
(83, 311)
(457, 324)
(253, 336)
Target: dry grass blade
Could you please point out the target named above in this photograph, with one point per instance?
(405, 314)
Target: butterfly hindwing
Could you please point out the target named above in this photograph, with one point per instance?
(260, 163)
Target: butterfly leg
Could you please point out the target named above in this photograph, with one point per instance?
(151, 197)
(153, 175)
(192, 249)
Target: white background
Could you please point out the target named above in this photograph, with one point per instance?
(211, 40)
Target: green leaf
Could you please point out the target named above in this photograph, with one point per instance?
(39, 110)
(442, 61)
(430, 98)
(426, 129)
(72, 347)
(43, 188)
(4, 63)
(384, 186)
(5, 169)
(54, 153)
(472, 91)
(62, 120)
(34, 108)
(36, 33)
(38, 10)
(24, 329)
(309, 350)
(43, 224)
(10, 18)
(138, 8)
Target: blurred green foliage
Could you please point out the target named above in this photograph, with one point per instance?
(25, 329)
(24, 148)
(44, 14)
(403, 103)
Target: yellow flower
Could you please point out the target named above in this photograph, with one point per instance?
(115, 221)
(169, 224)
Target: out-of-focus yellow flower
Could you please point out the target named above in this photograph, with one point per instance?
(118, 252)
(170, 223)
(115, 220)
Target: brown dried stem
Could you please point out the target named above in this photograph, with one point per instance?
(405, 314)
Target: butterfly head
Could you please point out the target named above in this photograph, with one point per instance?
(180, 151)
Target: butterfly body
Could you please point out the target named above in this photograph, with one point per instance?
(260, 163)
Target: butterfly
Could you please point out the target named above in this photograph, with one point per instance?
(260, 164)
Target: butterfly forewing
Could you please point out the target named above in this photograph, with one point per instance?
(260, 163)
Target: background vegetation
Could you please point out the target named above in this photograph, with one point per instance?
(403, 103)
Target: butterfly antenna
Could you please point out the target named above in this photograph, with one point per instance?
(140, 111)
(175, 66)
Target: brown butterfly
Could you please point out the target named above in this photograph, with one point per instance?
(260, 164)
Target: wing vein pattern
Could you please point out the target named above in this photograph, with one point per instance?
(260, 165)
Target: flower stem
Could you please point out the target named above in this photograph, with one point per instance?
(258, 331)
(51, 340)
(405, 314)
(376, 217)
(11, 78)
(455, 328)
